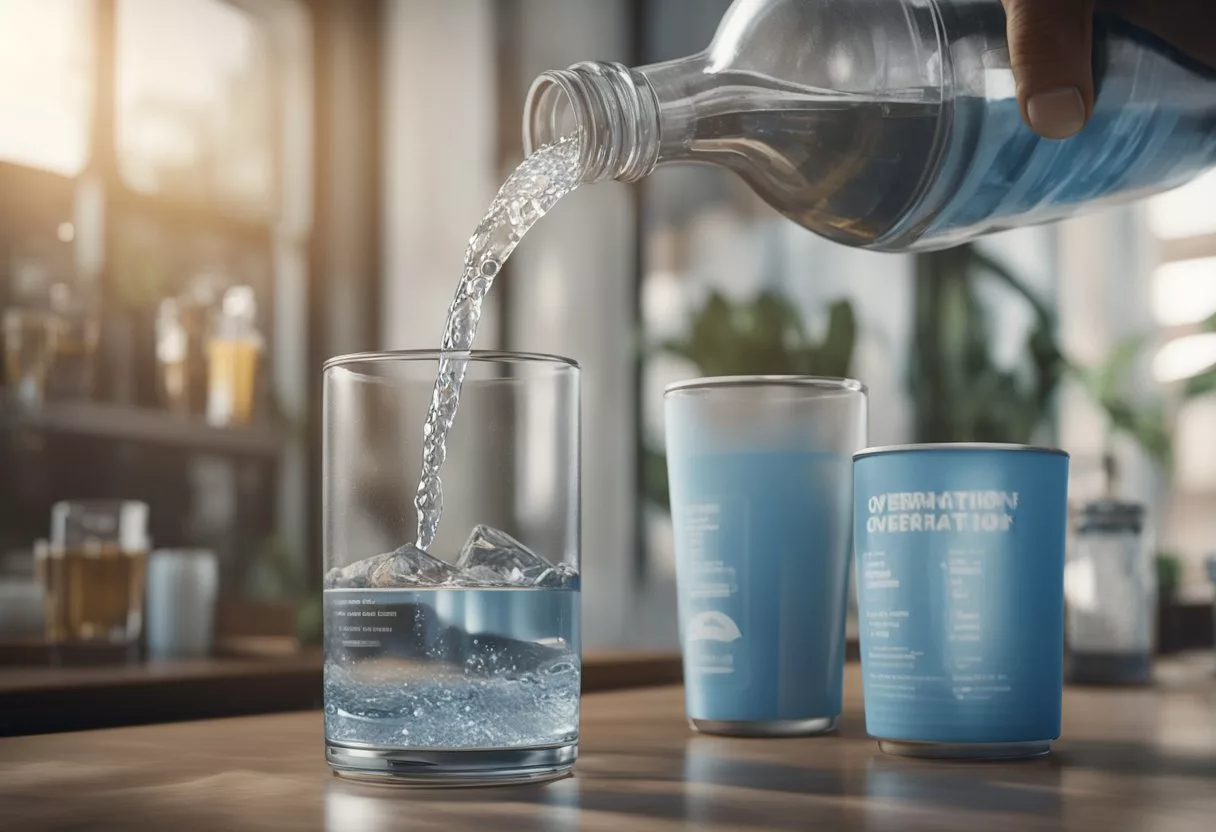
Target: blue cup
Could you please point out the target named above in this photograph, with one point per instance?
(960, 586)
(760, 474)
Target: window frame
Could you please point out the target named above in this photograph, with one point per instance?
(34, 201)
(1167, 250)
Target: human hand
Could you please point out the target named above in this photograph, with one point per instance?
(1051, 49)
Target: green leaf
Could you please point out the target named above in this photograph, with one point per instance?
(764, 335)
(960, 393)
(1146, 425)
(833, 356)
(1200, 385)
(1112, 376)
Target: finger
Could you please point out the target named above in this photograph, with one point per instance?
(1051, 49)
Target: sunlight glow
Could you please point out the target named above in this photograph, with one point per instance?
(195, 117)
(1184, 292)
(1188, 211)
(46, 57)
(1185, 357)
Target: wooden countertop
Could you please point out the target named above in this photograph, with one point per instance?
(1129, 759)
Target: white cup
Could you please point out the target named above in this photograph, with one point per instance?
(182, 585)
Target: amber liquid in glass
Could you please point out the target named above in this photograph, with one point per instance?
(94, 593)
(233, 371)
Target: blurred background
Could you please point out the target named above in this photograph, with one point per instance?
(202, 200)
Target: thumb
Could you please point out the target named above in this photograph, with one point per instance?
(1051, 50)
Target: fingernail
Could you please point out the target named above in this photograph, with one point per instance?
(1058, 113)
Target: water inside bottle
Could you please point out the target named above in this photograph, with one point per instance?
(868, 172)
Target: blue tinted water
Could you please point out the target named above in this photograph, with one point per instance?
(452, 668)
(1001, 175)
(763, 547)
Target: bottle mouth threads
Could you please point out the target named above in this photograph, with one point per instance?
(612, 111)
(549, 110)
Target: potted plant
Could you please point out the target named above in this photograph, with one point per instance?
(765, 334)
(959, 393)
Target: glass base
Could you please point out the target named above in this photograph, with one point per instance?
(966, 750)
(451, 767)
(1110, 669)
(765, 727)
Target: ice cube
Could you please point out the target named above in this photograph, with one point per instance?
(560, 576)
(407, 566)
(353, 576)
(493, 557)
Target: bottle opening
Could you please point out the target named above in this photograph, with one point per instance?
(611, 111)
(548, 113)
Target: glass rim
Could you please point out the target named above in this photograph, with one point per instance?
(483, 356)
(826, 384)
(98, 503)
(881, 450)
(181, 552)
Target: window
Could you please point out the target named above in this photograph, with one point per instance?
(1184, 291)
(194, 103)
(1184, 282)
(46, 58)
(1183, 222)
(150, 150)
(1189, 211)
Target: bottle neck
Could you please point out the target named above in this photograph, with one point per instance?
(626, 119)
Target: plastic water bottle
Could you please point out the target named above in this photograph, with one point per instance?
(887, 124)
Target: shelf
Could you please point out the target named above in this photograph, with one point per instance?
(45, 699)
(96, 420)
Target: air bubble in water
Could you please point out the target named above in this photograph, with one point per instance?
(434, 457)
(529, 211)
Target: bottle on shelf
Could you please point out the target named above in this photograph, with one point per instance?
(233, 354)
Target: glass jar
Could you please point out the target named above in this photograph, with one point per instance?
(1110, 589)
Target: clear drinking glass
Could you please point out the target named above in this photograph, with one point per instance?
(94, 570)
(458, 665)
(761, 476)
(30, 341)
(182, 587)
(78, 330)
